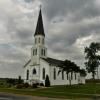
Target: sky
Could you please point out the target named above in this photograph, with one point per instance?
(70, 26)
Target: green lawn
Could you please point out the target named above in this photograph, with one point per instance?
(76, 91)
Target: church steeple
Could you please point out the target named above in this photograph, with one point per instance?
(39, 50)
(39, 28)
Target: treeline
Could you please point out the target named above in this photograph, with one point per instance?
(12, 81)
(92, 81)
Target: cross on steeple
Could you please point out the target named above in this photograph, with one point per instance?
(40, 6)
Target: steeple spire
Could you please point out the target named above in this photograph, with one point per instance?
(39, 28)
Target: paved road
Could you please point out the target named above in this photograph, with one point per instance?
(8, 96)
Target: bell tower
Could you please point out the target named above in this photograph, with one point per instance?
(39, 50)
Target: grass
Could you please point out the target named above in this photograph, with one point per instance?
(75, 91)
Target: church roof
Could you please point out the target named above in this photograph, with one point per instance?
(51, 61)
(39, 28)
(27, 63)
(54, 62)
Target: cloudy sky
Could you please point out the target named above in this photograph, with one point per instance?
(70, 25)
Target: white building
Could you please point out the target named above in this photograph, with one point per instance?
(36, 69)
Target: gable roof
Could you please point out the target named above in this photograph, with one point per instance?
(27, 63)
(54, 62)
(51, 61)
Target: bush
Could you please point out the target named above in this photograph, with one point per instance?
(20, 81)
(19, 86)
(11, 81)
(47, 81)
(93, 81)
(1, 84)
(37, 83)
(34, 85)
(26, 85)
(41, 84)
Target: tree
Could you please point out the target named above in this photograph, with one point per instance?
(11, 81)
(69, 67)
(92, 58)
(47, 81)
(20, 80)
(82, 72)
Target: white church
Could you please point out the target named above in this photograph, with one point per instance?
(40, 65)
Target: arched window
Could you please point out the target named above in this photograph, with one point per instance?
(35, 40)
(27, 77)
(39, 39)
(43, 41)
(42, 52)
(54, 74)
(71, 75)
(34, 71)
(67, 76)
(75, 76)
(43, 73)
(33, 53)
(62, 75)
(36, 52)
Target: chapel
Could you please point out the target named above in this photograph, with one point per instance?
(40, 65)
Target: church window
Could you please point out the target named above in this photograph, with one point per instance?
(71, 75)
(35, 40)
(27, 77)
(62, 75)
(43, 41)
(39, 39)
(36, 52)
(75, 76)
(67, 76)
(43, 73)
(54, 74)
(33, 53)
(34, 71)
(42, 52)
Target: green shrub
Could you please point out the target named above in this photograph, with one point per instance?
(11, 81)
(92, 80)
(19, 86)
(34, 85)
(37, 84)
(1, 84)
(41, 84)
(26, 85)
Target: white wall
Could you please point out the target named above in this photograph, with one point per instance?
(31, 75)
(82, 80)
(49, 70)
(25, 73)
(59, 80)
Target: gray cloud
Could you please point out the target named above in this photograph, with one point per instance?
(29, 1)
(69, 26)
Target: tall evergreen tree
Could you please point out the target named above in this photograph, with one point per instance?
(47, 81)
(20, 80)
